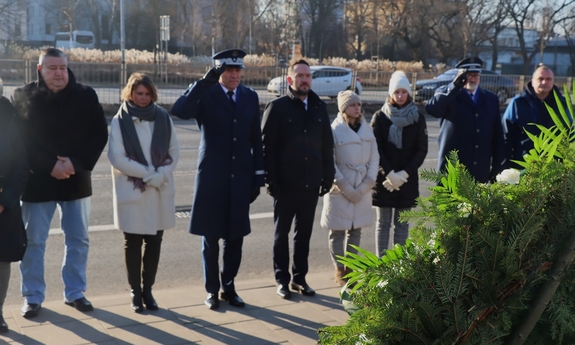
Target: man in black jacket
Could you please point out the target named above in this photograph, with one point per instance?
(64, 131)
(298, 158)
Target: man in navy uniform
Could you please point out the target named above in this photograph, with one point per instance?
(470, 122)
(230, 168)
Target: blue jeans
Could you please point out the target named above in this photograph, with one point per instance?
(383, 223)
(37, 217)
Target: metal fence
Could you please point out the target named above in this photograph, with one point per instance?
(173, 80)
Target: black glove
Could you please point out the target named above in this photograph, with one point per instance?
(255, 194)
(461, 80)
(325, 187)
(273, 190)
(213, 75)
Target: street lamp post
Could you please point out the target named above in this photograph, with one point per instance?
(123, 76)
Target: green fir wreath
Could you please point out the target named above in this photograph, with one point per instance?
(485, 263)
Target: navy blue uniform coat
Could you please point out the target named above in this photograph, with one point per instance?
(474, 130)
(230, 158)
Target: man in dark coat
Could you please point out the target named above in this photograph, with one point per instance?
(470, 122)
(526, 110)
(230, 168)
(14, 173)
(64, 132)
(298, 154)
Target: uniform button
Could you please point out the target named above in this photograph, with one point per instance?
(476, 146)
(305, 158)
(476, 131)
(305, 130)
(235, 138)
(233, 157)
(306, 186)
(235, 120)
(474, 163)
(476, 115)
(232, 175)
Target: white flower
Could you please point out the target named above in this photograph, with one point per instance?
(510, 176)
(465, 209)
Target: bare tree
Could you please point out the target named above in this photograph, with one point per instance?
(357, 25)
(405, 22)
(319, 26)
(526, 13)
(10, 23)
(277, 29)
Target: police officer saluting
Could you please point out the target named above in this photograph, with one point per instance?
(470, 122)
(230, 168)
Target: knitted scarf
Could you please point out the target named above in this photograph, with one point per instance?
(160, 137)
(400, 117)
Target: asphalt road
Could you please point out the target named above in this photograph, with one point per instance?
(181, 263)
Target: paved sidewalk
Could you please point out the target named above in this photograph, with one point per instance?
(184, 319)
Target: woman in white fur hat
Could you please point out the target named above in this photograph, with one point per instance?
(401, 134)
(347, 207)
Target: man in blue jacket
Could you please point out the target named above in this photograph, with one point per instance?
(230, 168)
(470, 122)
(528, 109)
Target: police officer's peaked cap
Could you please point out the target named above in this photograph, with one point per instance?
(471, 64)
(231, 57)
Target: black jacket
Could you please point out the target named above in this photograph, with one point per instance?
(69, 123)
(409, 158)
(14, 173)
(298, 144)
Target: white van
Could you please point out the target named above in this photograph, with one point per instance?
(80, 39)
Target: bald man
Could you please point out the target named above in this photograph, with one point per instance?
(527, 109)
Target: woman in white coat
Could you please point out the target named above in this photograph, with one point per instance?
(143, 150)
(347, 207)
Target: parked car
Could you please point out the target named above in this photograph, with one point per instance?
(502, 86)
(79, 39)
(327, 81)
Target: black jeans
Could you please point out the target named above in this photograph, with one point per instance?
(301, 205)
(151, 258)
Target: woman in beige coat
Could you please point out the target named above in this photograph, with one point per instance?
(143, 150)
(347, 207)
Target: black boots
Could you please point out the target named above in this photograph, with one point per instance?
(136, 295)
(3, 325)
(149, 300)
(145, 296)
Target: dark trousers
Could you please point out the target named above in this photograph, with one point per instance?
(232, 257)
(301, 206)
(151, 258)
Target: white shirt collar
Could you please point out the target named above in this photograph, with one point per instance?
(226, 91)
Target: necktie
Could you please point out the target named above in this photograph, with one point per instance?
(231, 97)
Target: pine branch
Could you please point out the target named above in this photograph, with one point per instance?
(546, 292)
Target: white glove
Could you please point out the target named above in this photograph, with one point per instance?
(396, 179)
(388, 186)
(155, 180)
(404, 174)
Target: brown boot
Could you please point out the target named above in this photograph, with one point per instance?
(339, 274)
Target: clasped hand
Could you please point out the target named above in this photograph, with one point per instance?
(63, 168)
(395, 180)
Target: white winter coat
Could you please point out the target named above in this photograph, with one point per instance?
(138, 212)
(348, 204)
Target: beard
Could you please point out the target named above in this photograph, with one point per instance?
(299, 91)
(472, 87)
